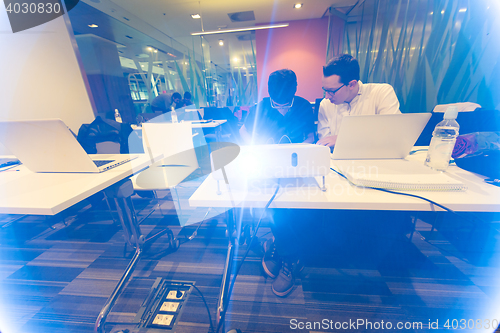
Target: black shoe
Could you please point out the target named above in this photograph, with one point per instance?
(283, 285)
(271, 261)
(268, 244)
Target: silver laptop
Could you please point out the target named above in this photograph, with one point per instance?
(385, 136)
(49, 146)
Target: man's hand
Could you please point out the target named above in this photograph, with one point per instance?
(328, 141)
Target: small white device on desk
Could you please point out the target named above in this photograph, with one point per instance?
(270, 161)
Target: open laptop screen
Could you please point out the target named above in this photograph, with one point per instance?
(378, 136)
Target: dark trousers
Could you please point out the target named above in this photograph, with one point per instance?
(302, 233)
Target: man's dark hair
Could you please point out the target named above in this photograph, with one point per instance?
(176, 95)
(187, 95)
(282, 86)
(344, 66)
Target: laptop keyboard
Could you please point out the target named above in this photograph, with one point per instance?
(102, 162)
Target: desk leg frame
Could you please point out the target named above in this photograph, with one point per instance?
(121, 193)
(101, 319)
(224, 296)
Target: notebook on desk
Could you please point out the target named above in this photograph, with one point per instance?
(49, 146)
(397, 174)
(370, 151)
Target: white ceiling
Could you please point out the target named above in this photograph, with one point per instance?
(161, 19)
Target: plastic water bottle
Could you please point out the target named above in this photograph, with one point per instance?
(173, 114)
(443, 141)
(118, 117)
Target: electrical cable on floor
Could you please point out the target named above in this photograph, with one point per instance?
(231, 286)
(193, 235)
(206, 306)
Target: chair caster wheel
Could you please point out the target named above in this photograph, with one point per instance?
(174, 244)
(245, 235)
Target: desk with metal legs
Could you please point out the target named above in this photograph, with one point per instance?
(26, 192)
(305, 193)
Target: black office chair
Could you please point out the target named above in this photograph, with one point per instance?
(479, 120)
(230, 129)
(104, 136)
(316, 112)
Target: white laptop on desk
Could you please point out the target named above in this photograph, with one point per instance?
(371, 149)
(378, 136)
(49, 146)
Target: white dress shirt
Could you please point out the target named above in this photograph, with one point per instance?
(372, 98)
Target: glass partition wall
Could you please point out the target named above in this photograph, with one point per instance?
(127, 69)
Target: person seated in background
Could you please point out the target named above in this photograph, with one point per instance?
(281, 117)
(346, 95)
(161, 103)
(187, 99)
(176, 102)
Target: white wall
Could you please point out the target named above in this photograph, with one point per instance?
(40, 76)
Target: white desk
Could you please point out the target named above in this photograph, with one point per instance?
(305, 193)
(197, 124)
(215, 124)
(26, 192)
(339, 194)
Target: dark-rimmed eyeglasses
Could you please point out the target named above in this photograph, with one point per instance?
(275, 105)
(333, 92)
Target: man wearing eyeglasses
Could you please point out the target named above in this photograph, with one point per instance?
(346, 95)
(281, 118)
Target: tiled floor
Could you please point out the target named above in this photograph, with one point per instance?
(56, 280)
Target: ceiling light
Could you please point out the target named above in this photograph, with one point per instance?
(150, 48)
(93, 25)
(297, 6)
(462, 10)
(221, 42)
(442, 12)
(236, 59)
(196, 16)
(259, 27)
